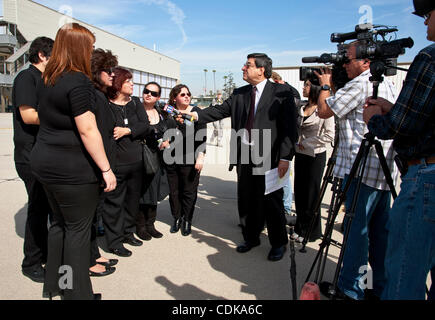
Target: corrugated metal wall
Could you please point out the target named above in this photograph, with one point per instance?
(291, 76)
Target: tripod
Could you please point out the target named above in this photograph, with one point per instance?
(357, 171)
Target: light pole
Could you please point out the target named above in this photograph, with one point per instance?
(214, 81)
(205, 81)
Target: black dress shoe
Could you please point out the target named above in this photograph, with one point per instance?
(122, 252)
(276, 254)
(153, 232)
(36, 273)
(133, 241)
(97, 296)
(143, 234)
(109, 270)
(175, 226)
(246, 246)
(109, 263)
(187, 228)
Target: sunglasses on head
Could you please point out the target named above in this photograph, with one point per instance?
(185, 94)
(153, 93)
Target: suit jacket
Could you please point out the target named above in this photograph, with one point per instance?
(276, 111)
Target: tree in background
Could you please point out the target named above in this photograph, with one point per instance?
(229, 85)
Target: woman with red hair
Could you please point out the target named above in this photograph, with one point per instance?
(69, 160)
(121, 206)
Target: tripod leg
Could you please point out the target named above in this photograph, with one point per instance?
(357, 168)
(321, 270)
(385, 169)
(326, 179)
(328, 231)
(341, 198)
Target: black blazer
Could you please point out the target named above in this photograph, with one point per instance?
(276, 111)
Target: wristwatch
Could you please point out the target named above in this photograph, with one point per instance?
(325, 87)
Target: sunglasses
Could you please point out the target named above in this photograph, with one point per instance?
(185, 94)
(109, 71)
(153, 93)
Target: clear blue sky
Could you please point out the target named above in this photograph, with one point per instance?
(217, 35)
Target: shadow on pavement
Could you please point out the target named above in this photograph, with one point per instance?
(20, 221)
(186, 291)
(214, 222)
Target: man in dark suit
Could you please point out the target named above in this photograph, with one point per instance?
(265, 112)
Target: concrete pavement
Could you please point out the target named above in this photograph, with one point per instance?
(202, 266)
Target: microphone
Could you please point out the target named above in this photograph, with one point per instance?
(174, 112)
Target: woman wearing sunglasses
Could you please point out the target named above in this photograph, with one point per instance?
(121, 206)
(102, 63)
(155, 185)
(183, 176)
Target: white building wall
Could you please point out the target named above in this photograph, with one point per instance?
(34, 20)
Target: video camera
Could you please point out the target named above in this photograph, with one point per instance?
(372, 45)
(339, 75)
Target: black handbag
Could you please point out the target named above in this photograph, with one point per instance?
(150, 160)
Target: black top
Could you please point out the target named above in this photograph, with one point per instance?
(165, 123)
(24, 93)
(106, 123)
(193, 141)
(59, 156)
(133, 116)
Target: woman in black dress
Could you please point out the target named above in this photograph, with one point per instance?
(155, 185)
(183, 175)
(121, 206)
(69, 160)
(102, 64)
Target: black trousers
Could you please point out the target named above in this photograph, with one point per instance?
(255, 209)
(121, 205)
(183, 190)
(308, 178)
(149, 212)
(38, 214)
(95, 251)
(69, 239)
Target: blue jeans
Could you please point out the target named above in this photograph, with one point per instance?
(411, 240)
(367, 241)
(288, 196)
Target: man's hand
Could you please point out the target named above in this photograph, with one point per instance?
(382, 103)
(378, 106)
(325, 76)
(370, 111)
(282, 168)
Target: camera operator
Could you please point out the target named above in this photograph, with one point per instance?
(411, 123)
(368, 234)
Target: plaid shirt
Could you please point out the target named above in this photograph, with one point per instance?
(411, 121)
(347, 104)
